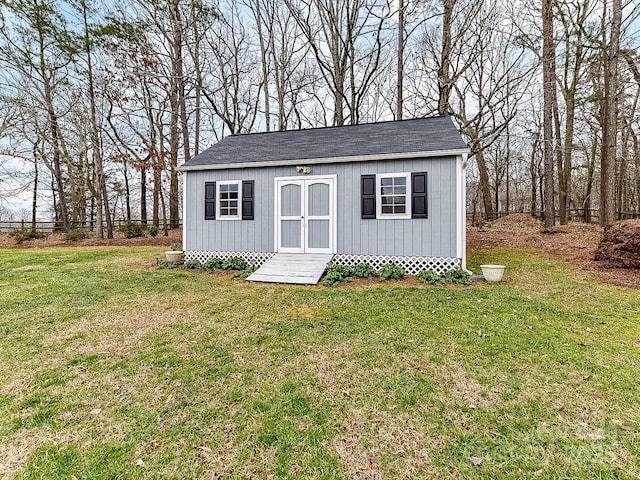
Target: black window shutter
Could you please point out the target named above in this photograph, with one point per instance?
(368, 193)
(209, 200)
(419, 195)
(247, 200)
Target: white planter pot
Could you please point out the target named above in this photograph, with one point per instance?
(175, 256)
(492, 273)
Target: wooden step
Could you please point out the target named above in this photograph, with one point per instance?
(297, 268)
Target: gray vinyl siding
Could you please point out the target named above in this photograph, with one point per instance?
(432, 236)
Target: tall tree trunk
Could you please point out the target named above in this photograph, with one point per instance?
(100, 190)
(624, 195)
(178, 114)
(61, 204)
(636, 154)
(157, 185)
(565, 194)
(548, 69)
(621, 167)
(400, 59)
(590, 172)
(127, 191)
(507, 166)
(533, 170)
(184, 120)
(198, 85)
(173, 152)
(143, 195)
(573, 36)
(54, 198)
(558, 151)
(485, 187)
(609, 113)
(264, 55)
(444, 82)
(34, 202)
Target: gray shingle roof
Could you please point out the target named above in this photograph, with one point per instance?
(364, 141)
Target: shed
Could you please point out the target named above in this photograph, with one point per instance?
(375, 193)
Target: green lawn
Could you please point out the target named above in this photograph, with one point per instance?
(113, 370)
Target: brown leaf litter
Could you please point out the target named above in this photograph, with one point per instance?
(575, 243)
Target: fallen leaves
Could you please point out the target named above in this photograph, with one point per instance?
(475, 461)
(577, 246)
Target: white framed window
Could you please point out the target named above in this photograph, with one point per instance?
(393, 199)
(229, 204)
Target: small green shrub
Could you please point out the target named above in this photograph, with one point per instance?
(245, 273)
(194, 264)
(364, 270)
(345, 270)
(212, 264)
(176, 247)
(75, 234)
(429, 276)
(332, 278)
(391, 271)
(167, 265)
(457, 276)
(337, 274)
(152, 230)
(24, 234)
(234, 263)
(132, 230)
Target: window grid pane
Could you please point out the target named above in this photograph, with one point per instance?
(228, 200)
(393, 195)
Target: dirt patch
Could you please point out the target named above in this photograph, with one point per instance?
(575, 243)
(57, 240)
(387, 436)
(16, 449)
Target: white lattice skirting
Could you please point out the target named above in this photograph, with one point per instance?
(255, 259)
(411, 265)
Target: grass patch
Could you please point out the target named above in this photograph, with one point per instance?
(114, 370)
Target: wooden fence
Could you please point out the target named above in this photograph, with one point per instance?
(575, 215)
(49, 227)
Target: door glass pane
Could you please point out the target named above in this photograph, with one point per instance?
(318, 199)
(290, 200)
(290, 233)
(318, 233)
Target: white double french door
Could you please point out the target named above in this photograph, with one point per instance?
(306, 214)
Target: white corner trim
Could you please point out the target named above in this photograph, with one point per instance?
(461, 209)
(316, 161)
(184, 211)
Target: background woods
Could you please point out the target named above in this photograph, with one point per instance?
(99, 103)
